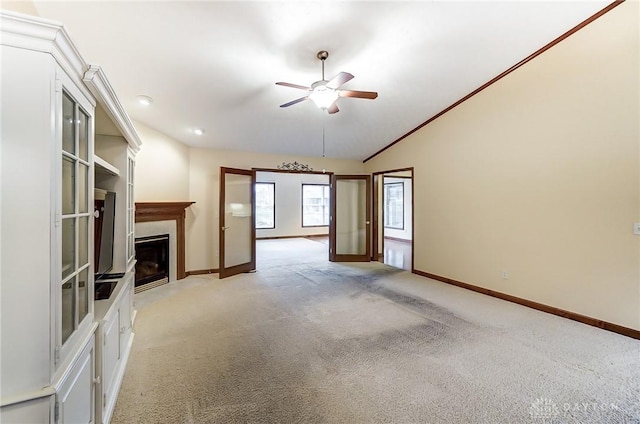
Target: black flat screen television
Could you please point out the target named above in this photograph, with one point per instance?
(105, 205)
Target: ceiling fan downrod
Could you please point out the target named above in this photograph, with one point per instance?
(322, 55)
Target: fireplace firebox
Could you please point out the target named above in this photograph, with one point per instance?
(152, 262)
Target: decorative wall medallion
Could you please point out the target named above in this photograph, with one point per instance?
(295, 166)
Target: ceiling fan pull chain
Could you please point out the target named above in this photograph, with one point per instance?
(323, 155)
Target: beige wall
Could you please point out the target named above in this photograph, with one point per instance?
(162, 168)
(204, 182)
(23, 6)
(538, 176)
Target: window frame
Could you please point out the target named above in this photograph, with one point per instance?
(327, 205)
(386, 203)
(274, 204)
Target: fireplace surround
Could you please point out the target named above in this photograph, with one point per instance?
(168, 211)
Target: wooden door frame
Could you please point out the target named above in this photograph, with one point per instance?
(251, 265)
(378, 179)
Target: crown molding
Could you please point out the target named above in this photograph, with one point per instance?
(99, 85)
(524, 61)
(45, 36)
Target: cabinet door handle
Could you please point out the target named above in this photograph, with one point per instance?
(96, 380)
(123, 329)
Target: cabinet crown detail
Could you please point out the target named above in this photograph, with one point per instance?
(34, 33)
(100, 87)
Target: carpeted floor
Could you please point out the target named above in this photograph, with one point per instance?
(304, 340)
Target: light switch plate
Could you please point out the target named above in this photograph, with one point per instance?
(636, 228)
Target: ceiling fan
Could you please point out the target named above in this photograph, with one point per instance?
(325, 93)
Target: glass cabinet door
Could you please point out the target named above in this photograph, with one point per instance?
(130, 248)
(75, 275)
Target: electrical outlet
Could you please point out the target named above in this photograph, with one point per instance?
(636, 228)
(505, 275)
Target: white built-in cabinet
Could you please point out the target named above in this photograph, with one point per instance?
(75, 396)
(115, 315)
(115, 338)
(63, 355)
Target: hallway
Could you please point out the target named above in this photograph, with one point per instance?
(397, 253)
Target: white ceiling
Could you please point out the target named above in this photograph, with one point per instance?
(213, 64)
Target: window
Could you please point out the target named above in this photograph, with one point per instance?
(394, 205)
(315, 205)
(265, 205)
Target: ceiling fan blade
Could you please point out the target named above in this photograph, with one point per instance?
(339, 79)
(288, 84)
(359, 94)
(293, 102)
(333, 108)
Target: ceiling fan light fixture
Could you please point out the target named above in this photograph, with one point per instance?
(323, 96)
(324, 93)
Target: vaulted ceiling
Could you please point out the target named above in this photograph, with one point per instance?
(213, 64)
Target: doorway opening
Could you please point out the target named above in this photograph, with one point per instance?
(393, 218)
(292, 205)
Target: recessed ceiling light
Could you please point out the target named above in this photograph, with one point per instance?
(198, 131)
(144, 100)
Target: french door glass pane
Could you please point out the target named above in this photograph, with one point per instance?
(83, 294)
(351, 217)
(68, 186)
(237, 220)
(83, 183)
(83, 135)
(83, 240)
(68, 306)
(68, 124)
(68, 247)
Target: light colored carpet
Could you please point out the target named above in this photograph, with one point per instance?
(304, 340)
